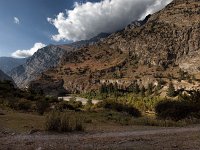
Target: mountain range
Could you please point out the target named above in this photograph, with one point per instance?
(44, 59)
(163, 46)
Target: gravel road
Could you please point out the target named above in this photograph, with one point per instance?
(154, 139)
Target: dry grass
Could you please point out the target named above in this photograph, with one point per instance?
(20, 122)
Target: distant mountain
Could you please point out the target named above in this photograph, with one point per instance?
(44, 59)
(3, 76)
(8, 63)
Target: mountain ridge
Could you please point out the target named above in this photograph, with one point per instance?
(137, 53)
(9, 63)
(46, 58)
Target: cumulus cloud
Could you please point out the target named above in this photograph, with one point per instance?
(29, 52)
(87, 20)
(16, 20)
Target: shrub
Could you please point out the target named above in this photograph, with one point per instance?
(65, 123)
(24, 105)
(41, 106)
(121, 108)
(71, 105)
(175, 110)
(61, 122)
(53, 122)
(78, 124)
(171, 90)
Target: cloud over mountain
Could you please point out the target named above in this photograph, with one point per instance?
(29, 52)
(86, 20)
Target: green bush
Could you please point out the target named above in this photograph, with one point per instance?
(120, 108)
(171, 90)
(71, 105)
(175, 110)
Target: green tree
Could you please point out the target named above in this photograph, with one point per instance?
(171, 90)
(142, 91)
(150, 89)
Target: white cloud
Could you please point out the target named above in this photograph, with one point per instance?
(89, 19)
(16, 20)
(29, 52)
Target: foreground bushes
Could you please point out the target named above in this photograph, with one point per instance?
(120, 108)
(61, 122)
(176, 110)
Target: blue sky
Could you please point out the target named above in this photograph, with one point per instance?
(27, 25)
(33, 26)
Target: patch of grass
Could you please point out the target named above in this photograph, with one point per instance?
(20, 122)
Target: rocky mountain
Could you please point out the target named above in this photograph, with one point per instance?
(44, 59)
(9, 63)
(91, 41)
(4, 77)
(165, 46)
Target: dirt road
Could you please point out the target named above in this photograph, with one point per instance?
(156, 139)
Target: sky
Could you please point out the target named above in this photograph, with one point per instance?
(28, 25)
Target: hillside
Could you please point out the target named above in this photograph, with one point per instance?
(166, 47)
(9, 63)
(46, 58)
(3, 76)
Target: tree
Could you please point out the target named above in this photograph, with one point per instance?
(41, 106)
(171, 90)
(142, 91)
(159, 86)
(150, 89)
(136, 89)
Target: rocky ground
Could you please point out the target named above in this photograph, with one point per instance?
(154, 139)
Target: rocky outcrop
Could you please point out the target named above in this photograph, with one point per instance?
(170, 36)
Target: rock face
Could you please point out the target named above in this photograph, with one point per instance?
(90, 41)
(3, 76)
(170, 36)
(9, 63)
(162, 44)
(44, 59)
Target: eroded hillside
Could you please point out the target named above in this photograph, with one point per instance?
(166, 47)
